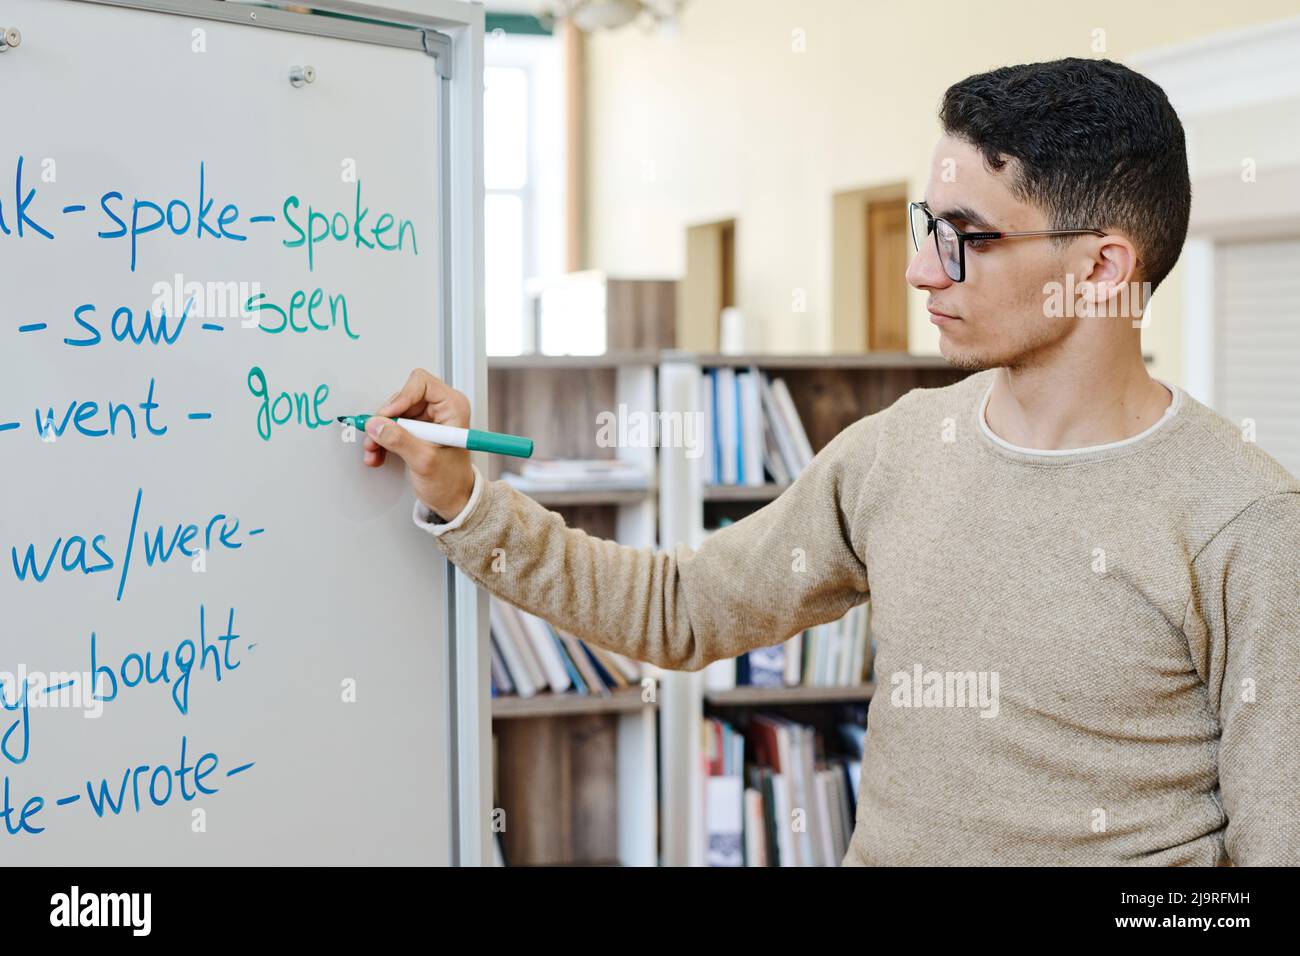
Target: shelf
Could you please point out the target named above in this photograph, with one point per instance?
(767, 492)
(828, 360)
(766, 696)
(638, 357)
(547, 704)
(651, 357)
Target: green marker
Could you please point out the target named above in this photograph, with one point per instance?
(453, 437)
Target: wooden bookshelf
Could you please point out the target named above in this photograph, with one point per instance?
(627, 701)
(888, 361)
(830, 392)
(630, 358)
(577, 775)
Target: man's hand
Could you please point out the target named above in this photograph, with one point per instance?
(441, 476)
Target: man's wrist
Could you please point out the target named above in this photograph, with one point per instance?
(446, 509)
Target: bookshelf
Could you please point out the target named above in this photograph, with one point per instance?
(829, 392)
(577, 775)
(598, 780)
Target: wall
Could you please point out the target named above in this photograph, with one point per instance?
(726, 116)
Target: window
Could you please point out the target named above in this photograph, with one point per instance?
(523, 178)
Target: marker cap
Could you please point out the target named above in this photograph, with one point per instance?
(499, 444)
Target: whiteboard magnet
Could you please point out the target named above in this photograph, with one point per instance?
(298, 75)
(9, 36)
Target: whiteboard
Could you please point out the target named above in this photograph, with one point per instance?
(228, 517)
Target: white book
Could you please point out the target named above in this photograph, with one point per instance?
(707, 437)
(835, 651)
(821, 655)
(548, 654)
(772, 458)
(782, 394)
(727, 425)
(794, 660)
(755, 829)
(860, 644)
(787, 756)
(514, 619)
(751, 420)
(801, 793)
(847, 629)
(829, 837)
(724, 802)
(780, 431)
(519, 674)
(720, 675)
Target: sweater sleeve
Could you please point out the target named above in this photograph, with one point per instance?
(1246, 607)
(789, 565)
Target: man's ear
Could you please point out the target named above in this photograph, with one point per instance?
(1106, 283)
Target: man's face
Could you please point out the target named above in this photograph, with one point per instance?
(996, 317)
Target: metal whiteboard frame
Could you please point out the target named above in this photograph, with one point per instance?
(451, 33)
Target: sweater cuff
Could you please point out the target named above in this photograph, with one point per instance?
(426, 520)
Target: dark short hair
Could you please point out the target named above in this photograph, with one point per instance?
(1098, 146)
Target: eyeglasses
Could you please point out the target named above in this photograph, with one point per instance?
(951, 241)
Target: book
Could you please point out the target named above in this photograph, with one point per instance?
(723, 795)
(709, 466)
(751, 427)
(727, 421)
(520, 674)
(548, 656)
(755, 843)
(501, 682)
(765, 667)
(578, 474)
(790, 417)
(794, 796)
(530, 656)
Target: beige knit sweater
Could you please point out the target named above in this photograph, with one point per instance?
(1083, 657)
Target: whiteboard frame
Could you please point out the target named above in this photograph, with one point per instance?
(450, 32)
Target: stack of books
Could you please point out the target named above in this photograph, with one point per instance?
(530, 656)
(577, 474)
(751, 429)
(790, 805)
(835, 654)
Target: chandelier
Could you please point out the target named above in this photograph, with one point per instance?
(591, 15)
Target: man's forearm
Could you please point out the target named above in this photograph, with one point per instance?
(679, 609)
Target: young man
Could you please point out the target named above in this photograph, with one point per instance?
(1102, 552)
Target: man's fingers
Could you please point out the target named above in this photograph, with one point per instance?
(391, 436)
(421, 390)
(406, 396)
